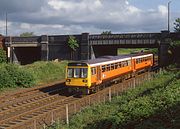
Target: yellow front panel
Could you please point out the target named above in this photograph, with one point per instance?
(79, 82)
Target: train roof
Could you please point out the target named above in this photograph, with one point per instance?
(108, 59)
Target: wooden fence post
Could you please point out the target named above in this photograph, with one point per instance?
(134, 83)
(67, 115)
(89, 101)
(52, 117)
(34, 124)
(109, 94)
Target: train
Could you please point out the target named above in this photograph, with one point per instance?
(88, 76)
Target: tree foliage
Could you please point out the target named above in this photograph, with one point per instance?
(177, 25)
(3, 57)
(72, 43)
(106, 32)
(27, 34)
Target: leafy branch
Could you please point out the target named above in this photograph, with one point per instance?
(72, 43)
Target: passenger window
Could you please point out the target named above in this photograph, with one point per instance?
(116, 65)
(129, 63)
(120, 65)
(126, 63)
(136, 61)
(103, 68)
(93, 71)
(108, 68)
(112, 66)
(140, 60)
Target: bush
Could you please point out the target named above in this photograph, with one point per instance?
(5, 78)
(3, 57)
(14, 76)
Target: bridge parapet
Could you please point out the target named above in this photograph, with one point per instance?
(23, 41)
(135, 38)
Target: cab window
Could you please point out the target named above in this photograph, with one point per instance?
(83, 72)
(70, 73)
(77, 72)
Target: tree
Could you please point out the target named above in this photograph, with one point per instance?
(177, 25)
(73, 45)
(27, 34)
(3, 57)
(106, 32)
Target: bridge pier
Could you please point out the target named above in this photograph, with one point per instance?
(44, 48)
(163, 55)
(84, 47)
(164, 58)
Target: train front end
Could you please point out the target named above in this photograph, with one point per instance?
(78, 76)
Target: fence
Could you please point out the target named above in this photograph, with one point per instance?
(65, 111)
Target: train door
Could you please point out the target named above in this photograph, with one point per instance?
(99, 75)
(133, 64)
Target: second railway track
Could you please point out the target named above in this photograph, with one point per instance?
(29, 110)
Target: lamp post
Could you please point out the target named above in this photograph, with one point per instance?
(169, 15)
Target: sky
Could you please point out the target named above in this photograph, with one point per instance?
(61, 17)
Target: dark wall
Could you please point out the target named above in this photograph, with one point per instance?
(27, 55)
(58, 48)
(104, 50)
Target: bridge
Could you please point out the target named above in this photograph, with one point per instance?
(29, 49)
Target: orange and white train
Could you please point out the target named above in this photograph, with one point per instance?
(92, 74)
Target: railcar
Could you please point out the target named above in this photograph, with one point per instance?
(90, 75)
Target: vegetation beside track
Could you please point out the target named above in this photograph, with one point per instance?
(45, 72)
(3, 57)
(13, 76)
(154, 104)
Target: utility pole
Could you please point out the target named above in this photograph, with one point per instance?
(169, 15)
(6, 24)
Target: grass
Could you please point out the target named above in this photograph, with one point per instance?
(122, 51)
(46, 72)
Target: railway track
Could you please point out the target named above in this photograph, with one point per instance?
(17, 119)
(7, 98)
(29, 101)
(29, 109)
(29, 106)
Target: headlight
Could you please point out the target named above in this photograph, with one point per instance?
(68, 80)
(84, 81)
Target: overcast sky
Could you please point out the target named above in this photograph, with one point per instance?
(93, 16)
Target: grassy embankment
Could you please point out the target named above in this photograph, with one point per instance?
(15, 76)
(122, 51)
(154, 104)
